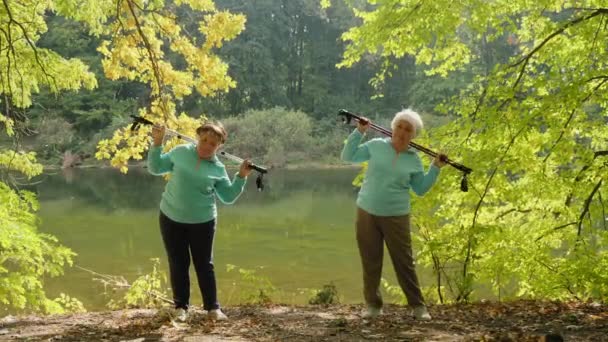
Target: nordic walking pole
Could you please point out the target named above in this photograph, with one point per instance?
(138, 120)
(347, 117)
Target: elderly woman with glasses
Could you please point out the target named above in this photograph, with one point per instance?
(383, 206)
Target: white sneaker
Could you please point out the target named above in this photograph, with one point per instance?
(217, 315)
(371, 312)
(421, 313)
(181, 315)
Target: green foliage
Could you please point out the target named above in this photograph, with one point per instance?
(325, 296)
(147, 291)
(79, 119)
(140, 37)
(278, 137)
(358, 181)
(287, 61)
(26, 255)
(68, 304)
(531, 125)
(252, 288)
(274, 135)
(394, 292)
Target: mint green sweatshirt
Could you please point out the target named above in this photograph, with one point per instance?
(389, 177)
(189, 196)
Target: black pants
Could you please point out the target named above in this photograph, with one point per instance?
(181, 240)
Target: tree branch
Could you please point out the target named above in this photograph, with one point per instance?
(523, 211)
(414, 9)
(561, 135)
(556, 271)
(151, 55)
(603, 210)
(601, 77)
(121, 282)
(10, 49)
(596, 34)
(436, 262)
(474, 114)
(50, 78)
(485, 192)
(586, 207)
(554, 229)
(600, 154)
(572, 116)
(524, 60)
(580, 173)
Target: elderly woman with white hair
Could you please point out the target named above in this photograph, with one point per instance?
(383, 206)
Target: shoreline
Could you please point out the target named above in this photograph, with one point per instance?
(497, 321)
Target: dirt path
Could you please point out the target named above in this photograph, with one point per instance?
(518, 321)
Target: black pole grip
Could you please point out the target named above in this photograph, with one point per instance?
(258, 168)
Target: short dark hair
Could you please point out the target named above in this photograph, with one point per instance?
(214, 127)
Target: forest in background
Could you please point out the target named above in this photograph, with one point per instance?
(284, 65)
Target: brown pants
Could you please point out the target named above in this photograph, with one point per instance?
(372, 231)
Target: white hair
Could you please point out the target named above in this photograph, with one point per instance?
(409, 116)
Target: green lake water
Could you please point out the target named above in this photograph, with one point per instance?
(298, 233)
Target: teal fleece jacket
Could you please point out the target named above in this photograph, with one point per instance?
(390, 175)
(189, 196)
